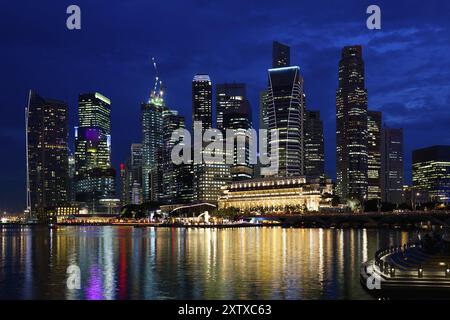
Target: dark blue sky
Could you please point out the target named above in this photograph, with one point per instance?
(407, 62)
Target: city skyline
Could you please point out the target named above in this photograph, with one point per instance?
(174, 98)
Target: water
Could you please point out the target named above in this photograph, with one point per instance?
(166, 263)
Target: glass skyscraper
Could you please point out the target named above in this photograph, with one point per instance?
(47, 154)
(240, 121)
(314, 146)
(374, 155)
(202, 100)
(392, 165)
(228, 99)
(152, 143)
(286, 108)
(94, 176)
(351, 126)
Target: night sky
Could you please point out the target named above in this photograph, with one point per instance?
(407, 62)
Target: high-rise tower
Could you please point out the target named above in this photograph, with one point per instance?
(286, 108)
(47, 154)
(351, 126)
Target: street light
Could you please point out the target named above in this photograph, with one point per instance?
(420, 272)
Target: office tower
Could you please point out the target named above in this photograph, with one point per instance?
(152, 143)
(125, 197)
(392, 165)
(351, 126)
(210, 176)
(202, 100)
(281, 55)
(431, 172)
(71, 179)
(374, 155)
(47, 154)
(228, 99)
(131, 176)
(172, 173)
(94, 176)
(286, 108)
(240, 121)
(263, 116)
(314, 146)
(135, 179)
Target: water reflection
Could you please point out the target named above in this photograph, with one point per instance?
(130, 263)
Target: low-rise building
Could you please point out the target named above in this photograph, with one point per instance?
(293, 194)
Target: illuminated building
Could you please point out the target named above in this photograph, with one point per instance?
(152, 143)
(71, 179)
(209, 177)
(263, 125)
(276, 194)
(93, 151)
(228, 99)
(131, 176)
(374, 155)
(431, 172)
(202, 100)
(392, 165)
(286, 111)
(281, 55)
(46, 154)
(351, 126)
(177, 178)
(240, 120)
(314, 147)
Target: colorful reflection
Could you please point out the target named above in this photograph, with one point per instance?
(175, 263)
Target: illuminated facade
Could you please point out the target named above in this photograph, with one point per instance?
(240, 120)
(392, 180)
(374, 155)
(152, 143)
(202, 100)
(276, 194)
(286, 111)
(431, 172)
(46, 153)
(177, 178)
(229, 97)
(314, 146)
(93, 151)
(351, 126)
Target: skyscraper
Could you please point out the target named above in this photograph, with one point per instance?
(431, 172)
(174, 182)
(94, 176)
(351, 126)
(263, 116)
(314, 146)
(202, 100)
(286, 108)
(240, 121)
(281, 55)
(374, 155)
(392, 165)
(228, 99)
(209, 176)
(131, 174)
(47, 154)
(152, 143)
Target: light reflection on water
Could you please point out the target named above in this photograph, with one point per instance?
(164, 263)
